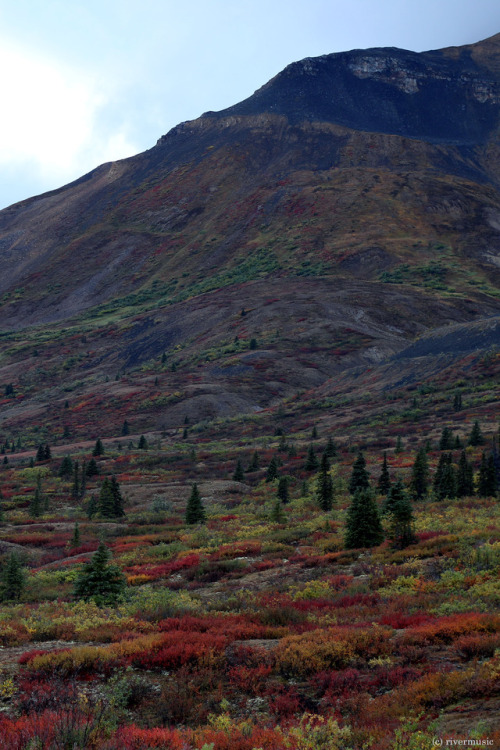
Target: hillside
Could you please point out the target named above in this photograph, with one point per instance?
(269, 296)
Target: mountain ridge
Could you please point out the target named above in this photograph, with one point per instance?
(160, 253)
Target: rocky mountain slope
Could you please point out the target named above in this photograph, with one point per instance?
(347, 208)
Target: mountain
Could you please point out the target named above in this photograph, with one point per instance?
(343, 217)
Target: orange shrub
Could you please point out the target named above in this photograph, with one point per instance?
(337, 648)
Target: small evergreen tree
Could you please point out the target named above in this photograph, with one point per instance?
(331, 448)
(277, 515)
(314, 433)
(75, 538)
(12, 579)
(282, 491)
(272, 470)
(98, 448)
(66, 468)
(399, 445)
(92, 469)
(324, 485)
(283, 445)
(83, 480)
(143, 443)
(195, 512)
(106, 503)
(445, 481)
(363, 527)
(420, 475)
(40, 454)
(465, 478)
(384, 482)
(446, 440)
(125, 428)
(476, 436)
(75, 489)
(487, 479)
(47, 455)
(457, 402)
(239, 474)
(92, 507)
(398, 509)
(101, 581)
(312, 462)
(37, 503)
(118, 501)
(360, 479)
(254, 463)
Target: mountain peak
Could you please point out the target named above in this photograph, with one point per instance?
(448, 95)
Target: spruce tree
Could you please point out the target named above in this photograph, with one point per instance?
(75, 538)
(83, 481)
(445, 481)
(12, 579)
(106, 504)
(75, 489)
(487, 479)
(195, 512)
(312, 462)
(143, 444)
(272, 470)
(98, 448)
(457, 402)
(465, 481)
(363, 528)
(66, 468)
(92, 507)
(476, 436)
(398, 509)
(40, 454)
(118, 501)
(420, 475)
(125, 428)
(47, 455)
(239, 474)
(100, 581)
(395, 493)
(360, 479)
(324, 485)
(254, 463)
(92, 469)
(384, 482)
(277, 515)
(282, 491)
(331, 448)
(36, 506)
(446, 440)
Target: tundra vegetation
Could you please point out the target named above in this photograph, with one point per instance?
(307, 577)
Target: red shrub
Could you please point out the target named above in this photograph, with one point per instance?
(176, 650)
(249, 679)
(399, 621)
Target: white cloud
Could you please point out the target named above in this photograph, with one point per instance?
(50, 117)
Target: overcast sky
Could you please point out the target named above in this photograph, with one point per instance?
(89, 81)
